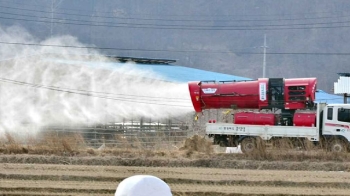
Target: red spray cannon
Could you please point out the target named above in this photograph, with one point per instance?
(264, 93)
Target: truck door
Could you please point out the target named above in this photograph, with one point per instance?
(337, 121)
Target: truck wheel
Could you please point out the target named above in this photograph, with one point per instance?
(248, 145)
(251, 145)
(337, 145)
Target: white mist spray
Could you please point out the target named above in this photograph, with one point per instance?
(39, 88)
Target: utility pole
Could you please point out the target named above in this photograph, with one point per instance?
(54, 5)
(264, 61)
(52, 10)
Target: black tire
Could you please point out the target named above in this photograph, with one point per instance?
(337, 145)
(250, 145)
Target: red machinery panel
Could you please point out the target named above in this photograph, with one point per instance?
(304, 119)
(257, 94)
(299, 91)
(214, 95)
(254, 118)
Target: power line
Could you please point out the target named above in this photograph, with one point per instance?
(198, 15)
(174, 26)
(191, 27)
(98, 92)
(173, 20)
(128, 98)
(165, 50)
(86, 93)
(119, 49)
(96, 96)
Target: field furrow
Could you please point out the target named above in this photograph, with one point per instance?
(188, 188)
(192, 173)
(51, 179)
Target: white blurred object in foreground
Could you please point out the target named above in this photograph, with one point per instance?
(234, 149)
(143, 185)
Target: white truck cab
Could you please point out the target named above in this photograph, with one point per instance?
(331, 127)
(336, 122)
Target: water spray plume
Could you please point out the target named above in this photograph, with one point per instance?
(41, 86)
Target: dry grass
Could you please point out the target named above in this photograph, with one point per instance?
(195, 148)
(74, 144)
(70, 166)
(197, 143)
(47, 144)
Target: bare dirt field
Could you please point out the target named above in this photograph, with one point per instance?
(67, 170)
(59, 179)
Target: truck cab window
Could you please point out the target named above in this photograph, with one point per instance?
(330, 114)
(344, 115)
